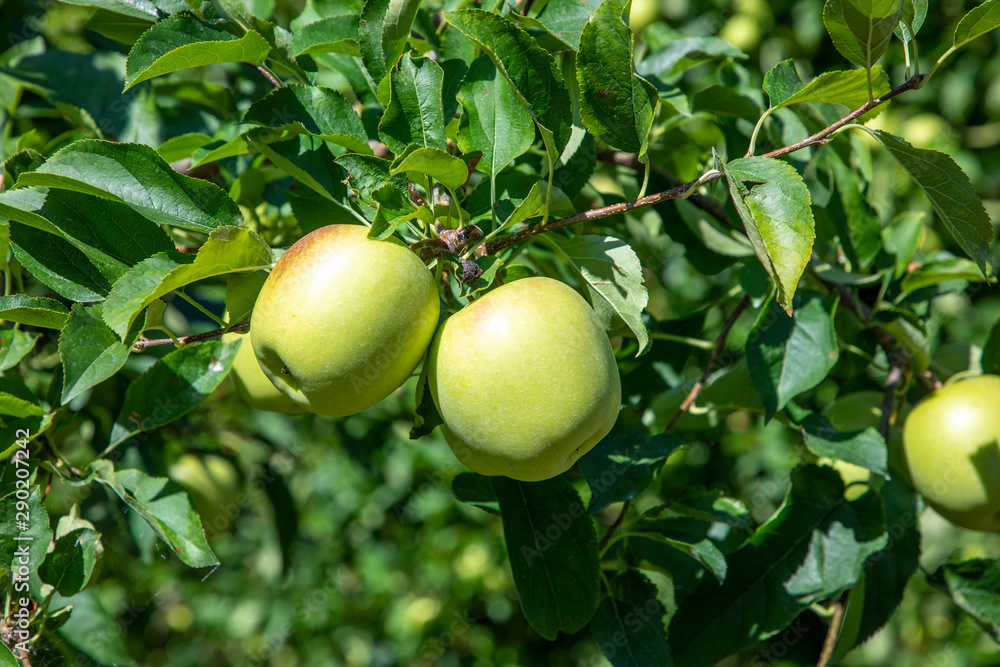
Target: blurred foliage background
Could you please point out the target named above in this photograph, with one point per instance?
(340, 540)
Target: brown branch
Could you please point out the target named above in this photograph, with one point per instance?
(892, 382)
(267, 75)
(143, 342)
(818, 138)
(833, 633)
(614, 527)
(720, 344)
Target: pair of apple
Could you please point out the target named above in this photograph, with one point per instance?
(524, 378)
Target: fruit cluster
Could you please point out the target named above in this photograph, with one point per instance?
(524, 377)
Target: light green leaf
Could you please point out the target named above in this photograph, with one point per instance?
(14, 344)
(974, 585)
(91, 352)
(979, 21)
(447, 169)
(183, 146)
(613, 276)
(135, 175)
(951, 194)
(140, 9)
(313, 110)
(494, 121)
(228, 249)
(777, 215)
(861, 29)
(616, 105)
(865, 448)
(565, 19)
(415, 114)
(334, 34)
(381, 195)
(36, 311)
(182, 42)
(849, 87)
(12, 406)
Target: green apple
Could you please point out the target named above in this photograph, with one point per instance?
(253, 386)
(952, 444)
(525, 380)
(343, 320)
(214, 484)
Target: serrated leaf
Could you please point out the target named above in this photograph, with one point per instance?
(181, 42)
(950, 193)
(38, 529)
(20, 162)
(622, 465)
(334, 34)
(974, 585)
(69, 566)
(699, 503)
(813, 548)
(172, 387)
(313, 110)
(552, 548)
(683, 53)
(385, 27)
(14, 344)
(91, 352)
(12, 406)
(415, 114)
(565, 20)
(616, 106)
(378, 191)
(864, 448)
(858, 224)
(861, 29)
(979, 21)
(135, 175)
(426, 417)
(494, 121)
(942, 270)
(849, 87)
(447, 169)
(530, 70)
(789, 355)
(140, 9)
(166, 508)
(183, 146)
(613, 275)
(777, 214)
(305, 158)
(629, 624)
(476, 490)
(228, 249)
(35, 311)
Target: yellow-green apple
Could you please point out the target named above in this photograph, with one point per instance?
(525, 380)
(343, 320)
(952, 444)
(253, 386)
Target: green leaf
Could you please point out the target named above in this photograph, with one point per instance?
(940, 271)
(911, 20)
(164, 505)
(699, 503)
(69, 566)
(861, 29)
(494, 121)
(228, 249)
(172, 387)
(241, 294)
(426, 417)
(334, 34)
(381, 195)
(305, 158)
(38, 530)
(13, 406)
(552, 548)
(974, 585)
(951, 194)
(683, 52)
(777, 215)
(313, 110)
(476, 490)
(611, 271)
(20, 162)
(790, 355)
(140, 9)
(858, 224)
(7, 658)
(58, 264)
(565, 19)
(447, 169)
(182, 42)
(692, 538)
(991, 351)
(489, 265)
(119, 27)
(813, 548)
(622, 465)
(629, 625)
(415, 114)
(91, 629)
(849, 87)
(616, 106)
(385, 27)
(277, 37)
(979, 21)
(36, 311)
(183, 146)
(529, 69)
(14, 344)
(136, 175)
(91, 352)
(865, 448)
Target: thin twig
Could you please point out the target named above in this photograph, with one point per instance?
(833, 632)
(143, 343)
(820, 137)
(720, 344)
(892, 382)
(614, 527)
(267, 75)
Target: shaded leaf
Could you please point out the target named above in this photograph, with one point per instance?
(14, 344)
(861, 29)
(36, 311)
(477, 490)
(622, 465)
(629, 624)
(313, 110)
(974, 585)
(71, 563)
(91, 352)
(864, 448)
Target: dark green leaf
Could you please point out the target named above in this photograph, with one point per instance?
(92, 630)
(974, 586)
(426, 417)
(37, 530)
(313, 110)
(70, 565)
(616, 105)
(241, 294)
(305, 158)
(182, 41)
(622, 465)
(683, 53)
(991, 351)
(36, 311)
(789, 355)
(136, 175)
(119, 27)
(565, 19)
(172, 387)
(629, 625)
(477, 490)
(856, 221)
(385, 27)
(18, 163)
(415, 114)
(91, 352)
(552, 548)
(865, 448)
(699, 503)
(861, 29)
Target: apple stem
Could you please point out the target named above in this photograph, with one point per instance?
(143, 342)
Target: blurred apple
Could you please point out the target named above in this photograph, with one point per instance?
(213, 483)
(253, 386)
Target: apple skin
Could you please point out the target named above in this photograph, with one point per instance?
(525, 380)
(253, 386)
(952, 444)
(343, 320)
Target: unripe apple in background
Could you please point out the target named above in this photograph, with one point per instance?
(213, 483)
(343, 320)
(525, 380)
(253, 386)
(952, 444)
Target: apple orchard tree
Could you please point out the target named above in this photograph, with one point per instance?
(758, 261)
